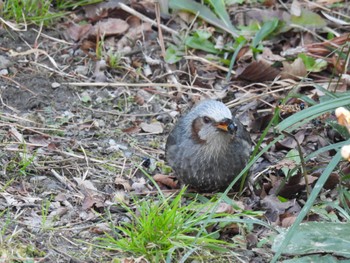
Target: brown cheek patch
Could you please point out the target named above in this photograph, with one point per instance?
(197, 125)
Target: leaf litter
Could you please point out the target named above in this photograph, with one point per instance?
(73, 153)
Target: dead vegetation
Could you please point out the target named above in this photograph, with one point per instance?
(87, 103)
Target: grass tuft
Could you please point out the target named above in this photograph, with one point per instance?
(160, 229)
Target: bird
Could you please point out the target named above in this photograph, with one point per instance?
(208, 147)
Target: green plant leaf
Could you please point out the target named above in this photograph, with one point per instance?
(267, 28)
(220, 10)
(200, 40)
(308, 19)
(280, 247)
(239, 43)
(204, 13)
(294, 156)
(313, 65)
(173, 54)
(317, 237)
(316, 258)
(233, 2)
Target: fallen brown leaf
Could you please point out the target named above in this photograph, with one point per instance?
(154, 127)
(293, 70)
(166, 180)
(257, 71)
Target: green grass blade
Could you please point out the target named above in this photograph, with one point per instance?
(334, 146)
(321, 181)
(203, 12)
(220, 10)
(299, 118)
(267, 28)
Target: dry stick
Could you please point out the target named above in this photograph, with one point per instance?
(19, 143)
(64, 180)
(57, 72)
(18, 84)
(291, 86)
(162, 46)
(32, 129)
(160, 32)
(29, 129)
(36, 51)
(53, 38)
(123, 114)
(210, 63)
(39, 33)
(326, 9)
(121, 84)
(14, 26)
(231, 105)
(61, 252)
(87, 162)
(309, 31)
(91, 159)
(247, 92)
(145, 18)
(7, 106)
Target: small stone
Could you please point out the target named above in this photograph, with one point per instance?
(83, 70)
(4, 72)
(4, 62)
(55, 85)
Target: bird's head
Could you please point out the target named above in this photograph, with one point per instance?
(211, 121)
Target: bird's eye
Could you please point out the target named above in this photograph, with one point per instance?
(206, 119)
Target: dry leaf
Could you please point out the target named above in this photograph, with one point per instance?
(140, 186)
(154, 127)
(274, 207)
(294, 70)
(95, 12)
(122, 184)
(252, 240)
(85, 184)
(257, 71)
(166, 180)
(38, 140)
(100, 228)
(109, 27)
(224, 208)
(19, 137)
(288, 221)
(77, 32)
(92, 200)
(295, 9)
(290, 143)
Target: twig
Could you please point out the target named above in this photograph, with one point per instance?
(18, 84)
(91, 159)
(160, 32)
(124, 114)
(124, 84)
(64, 180)
(145, 18)
(209, 62)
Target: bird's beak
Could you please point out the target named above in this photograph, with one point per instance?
(227, 125)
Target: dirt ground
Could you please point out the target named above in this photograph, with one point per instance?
(50, 138)
(71, 148)
(68, 152)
